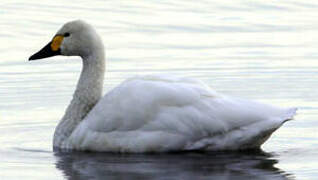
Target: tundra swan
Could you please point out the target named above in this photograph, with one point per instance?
(153, 113)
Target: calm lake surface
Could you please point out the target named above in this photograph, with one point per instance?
(262, 50)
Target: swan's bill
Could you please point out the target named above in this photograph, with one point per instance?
(51, 49)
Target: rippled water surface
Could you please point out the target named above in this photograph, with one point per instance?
(262, 50)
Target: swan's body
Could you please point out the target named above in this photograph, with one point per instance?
(152, 113)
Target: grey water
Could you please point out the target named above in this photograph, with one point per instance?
(261, 50)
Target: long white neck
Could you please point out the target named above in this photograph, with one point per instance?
(87, 94)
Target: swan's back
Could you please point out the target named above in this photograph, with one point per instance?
(164, 113)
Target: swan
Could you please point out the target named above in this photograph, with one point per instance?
(152, 113)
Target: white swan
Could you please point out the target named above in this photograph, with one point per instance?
(151, 113)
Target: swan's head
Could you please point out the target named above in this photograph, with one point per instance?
(75, 38)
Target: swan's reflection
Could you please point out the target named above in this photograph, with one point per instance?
(229, 165)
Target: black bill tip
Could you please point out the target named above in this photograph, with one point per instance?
(33, 57)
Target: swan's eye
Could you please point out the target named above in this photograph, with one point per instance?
(67, 34)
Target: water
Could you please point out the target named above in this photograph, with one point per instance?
(257, 50)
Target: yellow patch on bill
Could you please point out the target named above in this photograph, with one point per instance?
(56, 43)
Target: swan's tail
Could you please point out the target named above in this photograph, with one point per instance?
(289, 115)
(249, 137)
(261, 137)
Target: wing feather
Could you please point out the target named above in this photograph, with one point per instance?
(160, 113)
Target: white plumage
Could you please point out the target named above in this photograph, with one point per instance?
(156, 113)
